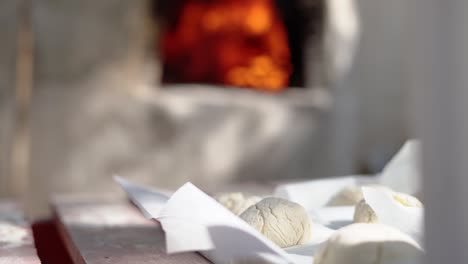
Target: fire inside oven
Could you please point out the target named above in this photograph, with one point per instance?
(239, 43)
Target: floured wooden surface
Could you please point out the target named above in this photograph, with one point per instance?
(106, 230)
(16, 239)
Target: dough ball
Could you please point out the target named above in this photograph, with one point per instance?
(407, 200)
(283, 222)
(237, 202)
(368, 244)
(363, 213)
(352, 195)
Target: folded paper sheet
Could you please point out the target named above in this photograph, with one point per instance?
(149, 201)
(315, 193)
(401, 174)
(193, 221)
(392, 213)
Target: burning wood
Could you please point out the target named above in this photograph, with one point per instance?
(232, 42)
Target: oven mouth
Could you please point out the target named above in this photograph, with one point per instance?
(254, 44)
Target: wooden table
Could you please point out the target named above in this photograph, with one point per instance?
(16, 238)
(105, 230)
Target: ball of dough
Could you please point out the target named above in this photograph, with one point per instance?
(237, 202)
(407, 200)
(350, 195)
(284, 222)
(363, 213)
(368, 244)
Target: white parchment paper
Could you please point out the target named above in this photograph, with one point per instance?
(193, 221)
(401, 174)
(392, 213)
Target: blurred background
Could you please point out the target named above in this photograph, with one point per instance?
(214, 92)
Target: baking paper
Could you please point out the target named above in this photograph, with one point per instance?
(400, 174)
(392, 213)
(193, 221)
(315, 193)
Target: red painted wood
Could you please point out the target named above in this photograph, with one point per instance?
(98, 231)
(50, 246)
(16, 239)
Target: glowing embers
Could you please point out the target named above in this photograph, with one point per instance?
(232, 42)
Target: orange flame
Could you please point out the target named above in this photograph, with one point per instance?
(232, 42)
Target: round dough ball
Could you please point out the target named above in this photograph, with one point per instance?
(407, 200)
(351, 195)
(284, 222)
(368, 244)
(363, 213)
(237, 202)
